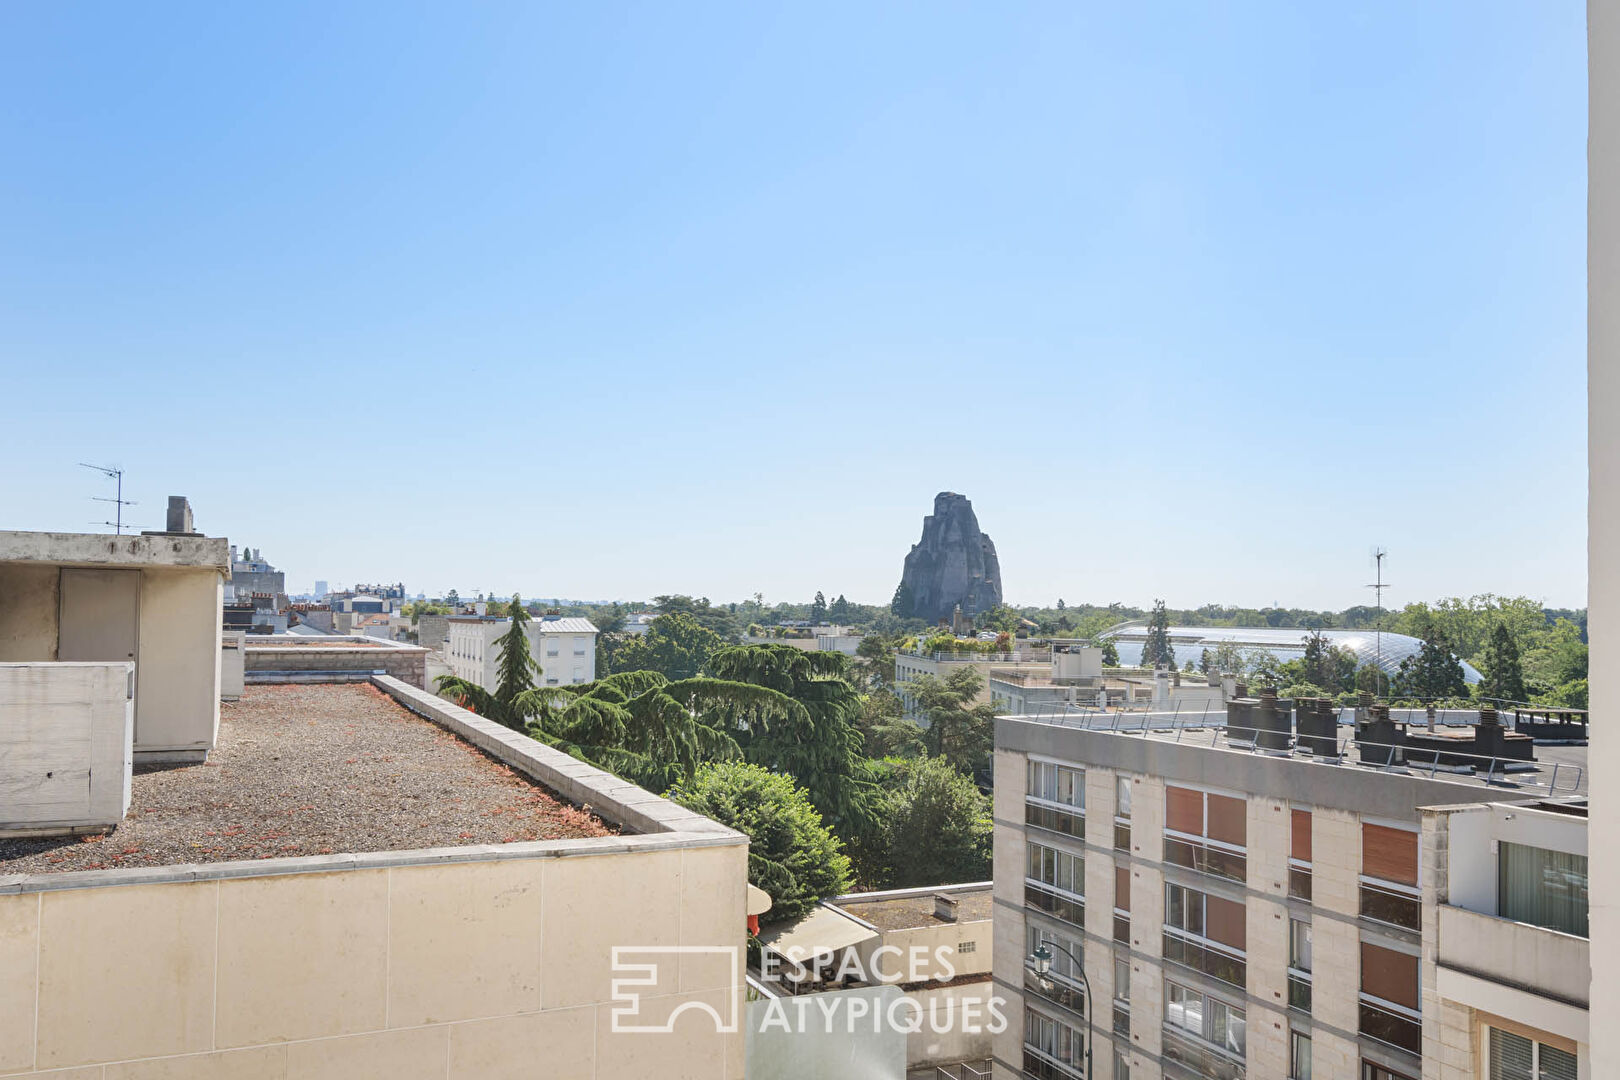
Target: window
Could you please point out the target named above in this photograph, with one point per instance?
(1299, 856)
(1299, 965)
(1516, 1057)
(1055, 883)
(1122, 813)
(1122, 903)
(1122, 1066)
(1373, 1071)
(1122, 997)
(1209, 1020)
(1299, 1056)
(1389, 876)
(1389, 997)
(1062, 983)
(1206, 933)
(1206, 832)
(579, 646)
(1052, 1049)
(1546, 888)
(1057, 798)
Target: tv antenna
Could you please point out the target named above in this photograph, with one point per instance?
(118, 500)
(1378, 587)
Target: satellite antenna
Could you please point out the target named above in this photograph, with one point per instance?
(118, 499)
(1378, 587)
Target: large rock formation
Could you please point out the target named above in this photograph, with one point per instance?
(954, 563)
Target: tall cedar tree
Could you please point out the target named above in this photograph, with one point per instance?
(1504, 674)
(818, 608)
(515, 668)
(1157, 650)
(1432, 674)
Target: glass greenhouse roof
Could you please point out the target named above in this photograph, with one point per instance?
(1385, 650)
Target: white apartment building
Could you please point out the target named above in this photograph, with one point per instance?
(1246, 908)
(564, 649)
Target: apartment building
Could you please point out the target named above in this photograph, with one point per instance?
(565, 649)
(1248, 898)
(1036, 660)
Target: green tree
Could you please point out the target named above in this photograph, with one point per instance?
(514, 671)
(1110, 651)
(718, 619)
(901, 605)
(840, 610)
(1157, 650)
(820, 744)
(607, 620)
(1326, 665)
(1002, 618)
(818, 609)
(960, 729)
(936, 829)
(675, 645)
(791, 854)
(1503, 673)
(1432, 673)
(453, 598)
(874, 658)
(885, 732)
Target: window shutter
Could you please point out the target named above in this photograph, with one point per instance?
(1228, 820)
(1301, 848)
(1184, 810)
(1511, 1056)
(1122, 888)
(1389, 854)
(1390, 975)
(1225, 922)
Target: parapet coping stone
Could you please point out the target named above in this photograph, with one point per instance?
(656, 823)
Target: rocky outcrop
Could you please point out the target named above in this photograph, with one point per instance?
(954, 563)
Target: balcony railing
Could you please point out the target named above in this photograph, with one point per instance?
(1200, 1057)
(1209, 959)
(1122, 836)
(1388, 906)
(1206, 859)
(1299, 992)
(1043, 1066)
(1299, 883)
(1067, 822)
(1392, 1027)
(1059, 905)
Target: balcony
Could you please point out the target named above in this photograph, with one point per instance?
(1206, 958)
(1391, 1027)
(1043, 1066)
(1543, 962)
(1067, 822)
(1199, 1058)
(1206, 859)
(1058, 905)
(1391, 907)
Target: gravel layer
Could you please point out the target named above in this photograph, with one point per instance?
(905, 913)
(313, 769)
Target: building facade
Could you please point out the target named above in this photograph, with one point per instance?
(1240, 913)
(564, 649)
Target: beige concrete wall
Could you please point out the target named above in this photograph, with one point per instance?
(28, 611)
(408, 663)
(939, 943)
(477, 969)
(177, 668)
(964, 1013)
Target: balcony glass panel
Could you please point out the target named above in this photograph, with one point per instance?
(1387, 906)
(1206, 859)
(1063, 821)
(1391, 1027)
(1062, 907)
(1212, 962)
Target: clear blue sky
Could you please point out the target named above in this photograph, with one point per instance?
(607, 301)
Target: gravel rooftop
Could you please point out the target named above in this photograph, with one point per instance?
(909, 912)
(313, 769)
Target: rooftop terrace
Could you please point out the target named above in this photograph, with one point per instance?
(315, 769)
(912, 912)
(1559, 770)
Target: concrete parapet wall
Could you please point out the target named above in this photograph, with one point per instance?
(405, 662)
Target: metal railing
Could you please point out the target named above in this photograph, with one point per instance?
(1209, 718)
(964, 1071)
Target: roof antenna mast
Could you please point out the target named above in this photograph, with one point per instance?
(118, 499)
(1378, 587)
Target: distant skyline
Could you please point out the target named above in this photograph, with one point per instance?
(610, 302)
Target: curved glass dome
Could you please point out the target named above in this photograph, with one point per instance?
(1385, 650)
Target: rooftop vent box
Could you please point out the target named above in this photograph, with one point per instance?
(944, 907)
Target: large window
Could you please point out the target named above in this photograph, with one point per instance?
(1547, 888)
(1052, 1049)
(1207, 1019)
(1206, 832)
(1389, 997)
(1062, 983)
(1299, 1056)
(1299, 856)
(1373, 1071)
(1057, 798)
(1055, 883)
(1389, 876)
(1122, 903)
(1299, 965)
(1122, 813)
(1515, 1057)
(1206, 933)
(1122, 997)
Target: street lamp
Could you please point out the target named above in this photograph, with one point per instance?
(1041, 962)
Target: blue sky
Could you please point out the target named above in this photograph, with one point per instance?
(1193, 301)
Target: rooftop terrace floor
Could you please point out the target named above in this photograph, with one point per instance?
(912, 912)
(313, 769)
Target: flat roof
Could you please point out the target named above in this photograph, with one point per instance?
(915, 912)
(148, 551)
(1559, 769)
(315, 769)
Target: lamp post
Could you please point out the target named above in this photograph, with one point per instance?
(1041, 961)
